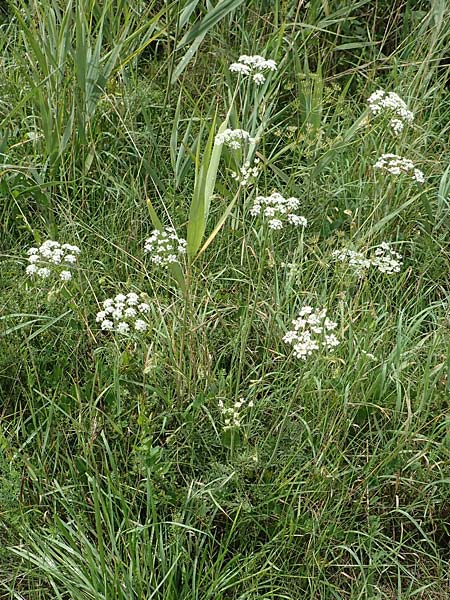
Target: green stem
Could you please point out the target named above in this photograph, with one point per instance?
(249, 320)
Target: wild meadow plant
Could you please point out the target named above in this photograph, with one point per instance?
(383, 258)
(124, 314)
(389, 103)
(397, 165)
(52, 259)
(254, 460)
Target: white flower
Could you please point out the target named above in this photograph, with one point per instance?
(44, 272)
(247, 173)
(31, 270)
(65, 275)
(258, 78)
(254, 66)
(70, 248)
(132, 299)
(240, 68)
(390, 103)
(383, 258)
(48, 259)
(231, 414)
(107, 325)
(164, 246)
(395, 165)
(386, 260)
(418, 176)
(123, 312)
(123, 327)
(140, 325)
(297, 220)
(311, 333)
(275, 224)
(233, 138)
(278, 210)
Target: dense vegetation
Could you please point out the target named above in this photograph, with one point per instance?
(200, 456)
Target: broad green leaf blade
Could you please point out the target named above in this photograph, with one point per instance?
(203, 190)
(219, 225)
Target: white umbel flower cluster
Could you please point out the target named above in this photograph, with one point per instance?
(124, 314)
(383, 258)
(396, 165)
(248, 173)
(356, 260)
(278, 211)
(165, 246)
(386, 260)
(254, 67)
(231, 415)
(381, 102)
(52, 259)
(233, 138)
(311, 332)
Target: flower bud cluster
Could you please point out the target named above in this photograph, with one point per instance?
(382, 102)
(311, 332)
(395, 165)
(233, 138)
(231, 415)
(253, 66)
(124, 314)
(165, 246)
(52, 259)
(278, 211)
(247, 173)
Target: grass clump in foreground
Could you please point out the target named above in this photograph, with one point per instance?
(224, 352)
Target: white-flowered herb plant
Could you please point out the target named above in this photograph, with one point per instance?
(312, 332)
(253, 67)
(124, 314)
(52, 260)
(398, 165)
(390, 104)
(278, 211)
(164, 247)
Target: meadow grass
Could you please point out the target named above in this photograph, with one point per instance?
(127, 470)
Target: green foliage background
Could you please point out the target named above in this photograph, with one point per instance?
(116, 478)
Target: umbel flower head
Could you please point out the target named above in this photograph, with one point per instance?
(383, 258)
(123, 314)
(232, 415)
(278, 211)
(164, 247)
(248, 173)
(52, 260)
(233, 138)
(311, 332)
(390, 103)
(254, 67)
(386, 260)
(396, 165)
